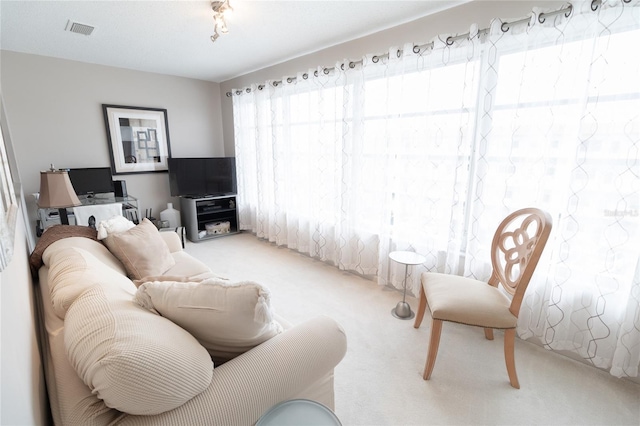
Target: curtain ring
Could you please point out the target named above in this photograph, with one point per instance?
(315, 73)
(305, 76)
(398, 53)
(375, 59)
(289, 79)
(504, 27)
(416, 49)
(260, 87)
(541, 18)
(449, 41)
(566, 15)
(595, 4)
(325, 71)
(342, 66)
(352, 65)
(248, 90)
(238, 92)
(229, 94)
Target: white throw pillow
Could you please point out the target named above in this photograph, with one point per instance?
(135, 361)
(228, 319)
(113, 225)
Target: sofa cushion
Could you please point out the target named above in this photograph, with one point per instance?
(135, 361)
(96, 248)
(187, 265)
(141, 250)
(74, 270)
(227, 318)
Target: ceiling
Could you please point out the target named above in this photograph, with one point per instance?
(173, 37)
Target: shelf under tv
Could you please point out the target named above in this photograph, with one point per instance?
(208, 217)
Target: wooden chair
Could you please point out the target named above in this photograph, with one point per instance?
(515, 251)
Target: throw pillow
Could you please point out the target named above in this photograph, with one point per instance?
(228, 319)
(141, 250)
(113, 225)
(136, 362)
(176, 278)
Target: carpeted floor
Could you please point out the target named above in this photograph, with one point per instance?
(379, 382)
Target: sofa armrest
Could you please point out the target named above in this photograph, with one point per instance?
(280, 369)
(173, 241)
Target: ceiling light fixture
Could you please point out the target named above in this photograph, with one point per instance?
(221, 11)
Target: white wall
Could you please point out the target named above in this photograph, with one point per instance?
(453, 21)
(54, 107)
(23, 399)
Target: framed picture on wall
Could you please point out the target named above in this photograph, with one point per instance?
(138, 139)
(8, 200)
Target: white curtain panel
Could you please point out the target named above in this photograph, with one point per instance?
(564, 130)
(428, 148)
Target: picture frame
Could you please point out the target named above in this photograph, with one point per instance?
(130, 130)
(8, 197)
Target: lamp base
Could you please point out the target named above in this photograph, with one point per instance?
(62, 214)
(403, 311)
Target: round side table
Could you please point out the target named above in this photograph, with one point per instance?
(402, 309)
(299, 412)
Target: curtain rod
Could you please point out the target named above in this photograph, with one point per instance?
(423, 47)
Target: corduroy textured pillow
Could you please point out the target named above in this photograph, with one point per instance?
(74, 270)
(228, 319)
(135, 361)
(141, 250)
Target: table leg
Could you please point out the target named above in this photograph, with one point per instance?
(402, 309)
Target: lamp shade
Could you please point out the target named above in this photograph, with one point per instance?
(56, 190)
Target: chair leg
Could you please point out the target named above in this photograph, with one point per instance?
(509, 356)
(488, 333)
(434, 342)
(422, 306)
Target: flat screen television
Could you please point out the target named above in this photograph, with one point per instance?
(199, 177)
(92, 180)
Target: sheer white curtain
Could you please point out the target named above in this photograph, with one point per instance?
(418, 117)
(428, 151)
(563, 132)
(298, 184)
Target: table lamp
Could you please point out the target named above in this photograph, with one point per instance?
(56, 192)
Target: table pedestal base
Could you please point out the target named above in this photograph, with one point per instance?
(402, 311)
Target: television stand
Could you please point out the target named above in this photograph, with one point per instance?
(209, 217)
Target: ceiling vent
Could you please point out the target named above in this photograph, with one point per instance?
(76, 27)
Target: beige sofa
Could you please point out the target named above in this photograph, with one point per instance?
(83, 285)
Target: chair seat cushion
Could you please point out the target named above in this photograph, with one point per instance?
(467, 301)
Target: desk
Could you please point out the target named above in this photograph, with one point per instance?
(402, 309)
(49, 217)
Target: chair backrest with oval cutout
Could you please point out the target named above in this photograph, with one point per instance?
(516, 249)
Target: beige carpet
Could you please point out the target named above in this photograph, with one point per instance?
(379, 382)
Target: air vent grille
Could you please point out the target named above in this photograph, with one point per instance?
(78, 28)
